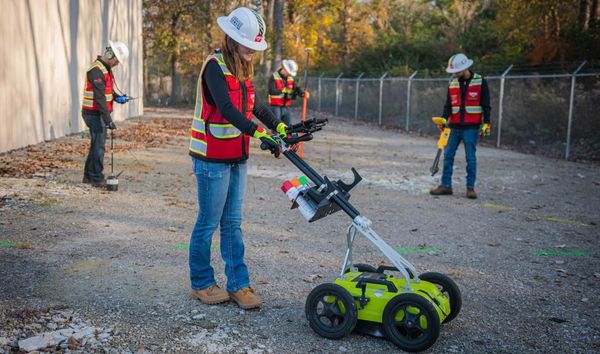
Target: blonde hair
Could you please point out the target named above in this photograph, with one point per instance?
(240, 68)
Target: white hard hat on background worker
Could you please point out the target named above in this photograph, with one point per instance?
(290, 66)
(120, 50)
(246, 27)
(457, 63)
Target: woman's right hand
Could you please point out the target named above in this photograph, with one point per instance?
(267, 141)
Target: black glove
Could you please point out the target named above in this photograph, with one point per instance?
(272, 145)
(298, 91)
(111, 125)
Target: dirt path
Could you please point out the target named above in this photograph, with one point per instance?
(525, 254)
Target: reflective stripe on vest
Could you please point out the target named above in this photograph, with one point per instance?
(473, 110)
(88, 90)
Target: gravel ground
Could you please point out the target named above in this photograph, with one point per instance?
(73, 257)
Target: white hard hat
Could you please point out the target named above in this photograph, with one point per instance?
(246, 27)
(290, 66)
(120, 50)
(457, 63)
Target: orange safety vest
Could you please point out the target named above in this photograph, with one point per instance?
(286, 89)
(88, 90)
(213, 138)
(473, 111)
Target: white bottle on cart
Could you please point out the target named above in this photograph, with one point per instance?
(307, 208)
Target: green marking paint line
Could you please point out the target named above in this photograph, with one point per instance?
(417, 250)
(560, 253)
(187, 247)
(498, 207)
(565, 221)
(8, 244)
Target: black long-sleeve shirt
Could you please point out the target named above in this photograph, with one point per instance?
(96, 78)
(485, 104)
(216, 93)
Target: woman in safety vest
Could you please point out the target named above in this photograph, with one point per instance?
(219, 146)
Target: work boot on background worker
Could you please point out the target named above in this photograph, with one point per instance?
(283, 89)
(98, 96)
(468, 110)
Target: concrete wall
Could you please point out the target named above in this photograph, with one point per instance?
(46, 47)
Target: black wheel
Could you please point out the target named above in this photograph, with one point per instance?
(331, 311)
(449, 288)
(411, 322)
(362, 267)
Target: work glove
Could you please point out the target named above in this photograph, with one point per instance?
(485, 129)
(111, 125)
(122, 99)
(282, 131)
(298, 91)
(267, 139)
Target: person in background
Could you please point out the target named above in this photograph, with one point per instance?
(467, 110)
(219, 146)
(98, 96)
(283, 89)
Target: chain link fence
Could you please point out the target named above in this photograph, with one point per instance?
(552, 114)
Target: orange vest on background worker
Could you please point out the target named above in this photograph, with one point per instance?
(286, 88)
(88, 90)
(473, 110)
(213, 138)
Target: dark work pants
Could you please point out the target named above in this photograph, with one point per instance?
(94, 165)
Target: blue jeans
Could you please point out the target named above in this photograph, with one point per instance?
(221, 189)
(283, 114)
(469, 139)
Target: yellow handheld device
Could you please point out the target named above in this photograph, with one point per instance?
(442, 142)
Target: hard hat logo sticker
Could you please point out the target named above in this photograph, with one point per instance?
(258, 38)
(236, 22)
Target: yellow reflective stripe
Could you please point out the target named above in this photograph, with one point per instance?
(224, 131)
(473, 109)
(276, 96)
(198, 125)
(221, 61)
(454, 84)
(88, 94)
(455, 109)
(198, 146)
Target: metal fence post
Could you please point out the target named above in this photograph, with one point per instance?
(337, 92)
(501, 105)
(381, 95)
(356, 97)
(408, 87)
(571, 104)
(319, 97)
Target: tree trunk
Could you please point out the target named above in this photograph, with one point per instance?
(266, 65)
(278, 31)
(175, 78)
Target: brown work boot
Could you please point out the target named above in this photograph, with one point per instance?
(441, 190)
(246, 298)
(211, 295)
(471, 193)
